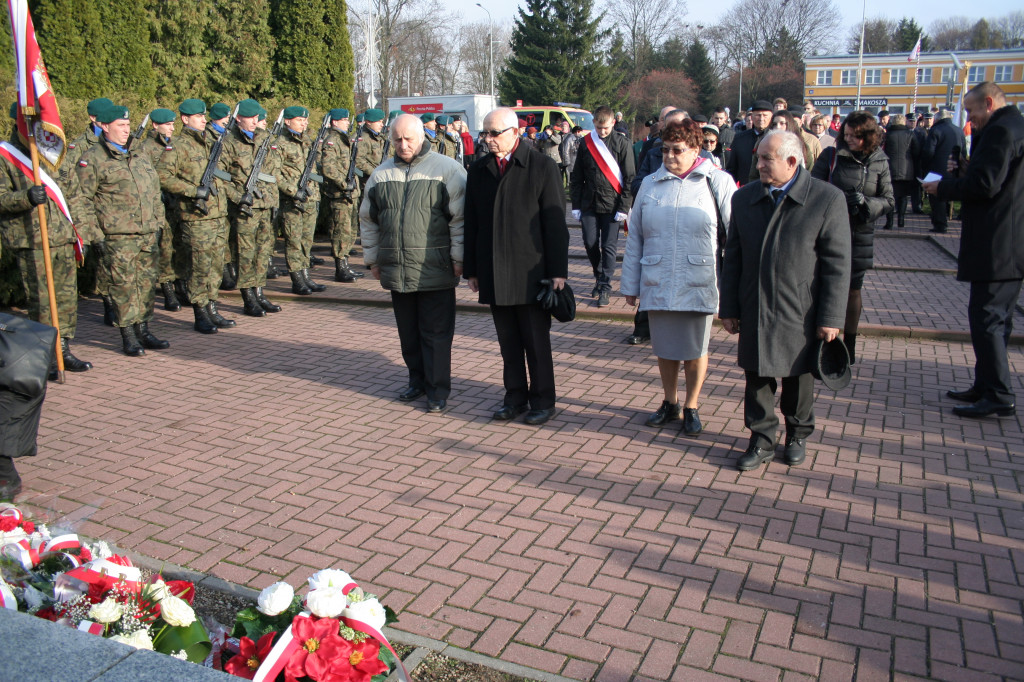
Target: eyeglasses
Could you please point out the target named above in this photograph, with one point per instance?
(495, 133)
(674, 150)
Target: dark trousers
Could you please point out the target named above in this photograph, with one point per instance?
(426, 327)
(601, 239)
(901, 190)
(797, 404)
(19, 426)
(642, 324)
(524, 331)
(940, 214)
(915, 198)
(990, 313)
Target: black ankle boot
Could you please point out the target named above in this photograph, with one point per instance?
(251, 304)
(230, 277)
(272, 272)
(130, 343)
(71, 363)
(353, 273)
(313, 286)
(170, 300)
(203, 325)
(850, 341)
(264, 303)
(147, 339)
(181, 291)
(218, 319)
(109, 312)
(341, 271)
(315, 260)
(299, 285)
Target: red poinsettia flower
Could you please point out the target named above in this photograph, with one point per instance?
(319, 647)
(84, 554)
(28, 527)
(360, 663)
(250, 656)
(8, 523)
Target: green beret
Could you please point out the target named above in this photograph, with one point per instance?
(219, 111)
(162, 116)
(360, 118)
(97, 105)
(14, 110)
(427, 118)
(393, 114)
(338, 114)
(114, 112)
(295, 111)
(263, 114)
(191, 107)
(249, 107)
(444, 120)
(373, 115)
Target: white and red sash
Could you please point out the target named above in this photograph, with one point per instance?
(605, 161)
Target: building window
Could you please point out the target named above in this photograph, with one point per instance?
(895, 108)
(1003, 74)
(848, 77)
(872, 76)
(948, 74)
(924, 75)
(976, 74)
(824, 78)
(898, 77)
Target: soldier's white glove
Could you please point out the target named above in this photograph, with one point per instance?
(620, 216)
(576, 214)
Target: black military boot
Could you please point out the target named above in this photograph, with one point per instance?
(264, 303)
(272, 272)
(170, 300)
(315, 260)
(109, 311)
(341, 271)
(299, 285)
(71, 363)
(252, 304)
(203, 325)
(313, 286)
(182, 293)
(130, 343)
(354, 273)
(147, 339)
(230, 277)
(218, 319)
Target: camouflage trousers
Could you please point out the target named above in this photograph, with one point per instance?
(206, 240)
(343, 232)
(65, 286)
(255, 236)
(298, 229)
(131, 262)
(173, 255)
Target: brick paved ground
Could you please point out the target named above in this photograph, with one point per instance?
(594, 546)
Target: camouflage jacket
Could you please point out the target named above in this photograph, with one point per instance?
(19, 219)
(447, 145)
(153, 145)
(237, 159)
(76, 148)
(113, 193)
(294, 149)
(181, 169)
(370, 153)
(334, 162)
(211, 132)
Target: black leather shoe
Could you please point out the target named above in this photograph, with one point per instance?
(71, 363)
(264, 303)
(410, 394)
(218, 319)
(754, 457)
(130, 343)
(691, 422)
(596, 291)
(508, 412)
(203, 324)
(299, 285)
(109, 311)
(147, 339)
(538, 417)
(170, 300)
(636, 339)
(971, 395)
(437, 406)
(666, 413)
(985, 408)
(251, 305)
(313, 286)
(315, 260)
(796, 451)
(604, 298)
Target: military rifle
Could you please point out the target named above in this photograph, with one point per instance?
(139, 132)
(350, 178)
(387, 143)
(251, 190)
(302, 190)
(206, 187)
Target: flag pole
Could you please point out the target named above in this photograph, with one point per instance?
(44, 236)
(917, 78)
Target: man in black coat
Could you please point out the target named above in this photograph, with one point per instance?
(991, 243)
(945, 141)
(743, 144)
(515, 236)
(785, 283)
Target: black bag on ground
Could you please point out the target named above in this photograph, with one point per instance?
(27, 349)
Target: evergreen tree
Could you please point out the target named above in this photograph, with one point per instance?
(71, 38)
(907, 33)
(306, 49)
(670, 55)
(593, 82)
(242, 49)
(700, 71)
(341, 64)
(181, 58)
(534, 57)
(128, 61)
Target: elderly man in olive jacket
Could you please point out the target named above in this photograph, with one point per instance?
(785, 281)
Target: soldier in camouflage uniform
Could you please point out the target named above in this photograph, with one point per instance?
(371, 147)
(203, 213)
(256, 231)
(220, 114)
(298, 206)
(449, 144)
(171, 267)
(334, 164)
(19, 229)
(115, 198)
(430, 128)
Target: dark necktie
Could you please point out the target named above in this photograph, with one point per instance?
(502, 164)
(777, 194)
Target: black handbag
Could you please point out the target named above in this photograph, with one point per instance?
(561, 303)
(27, 349)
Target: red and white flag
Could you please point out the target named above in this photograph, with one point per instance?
(35, 95)
(915, 54)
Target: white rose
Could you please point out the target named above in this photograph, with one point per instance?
(176, 611)
(158, 591)
(330, 577)
(139, 639)
(107, 611)
(275, 599)
(326, 602)
(369, 611)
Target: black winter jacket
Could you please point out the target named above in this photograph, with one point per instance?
(589, 189)
(901, 148)
(941, 139)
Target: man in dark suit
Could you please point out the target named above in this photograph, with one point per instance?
(785, 282)
(515, 236)
(945, 140)
(743, 144)
(991, 243)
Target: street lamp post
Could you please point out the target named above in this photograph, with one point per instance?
(490, 45)
(860, 59)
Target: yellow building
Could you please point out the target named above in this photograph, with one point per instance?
(887, 80)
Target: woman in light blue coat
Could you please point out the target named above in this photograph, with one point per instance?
(676, 231)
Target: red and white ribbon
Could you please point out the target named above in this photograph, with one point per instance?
(368, 629)
(107, 572)
(605, 161)
(91, 627)
(279, 656)
(7, 509)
